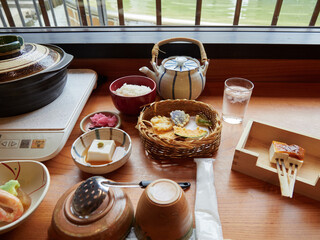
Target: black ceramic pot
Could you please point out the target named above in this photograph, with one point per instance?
(31, 75)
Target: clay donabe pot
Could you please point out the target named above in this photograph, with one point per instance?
(31, 75)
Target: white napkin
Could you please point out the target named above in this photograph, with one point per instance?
(208, 225)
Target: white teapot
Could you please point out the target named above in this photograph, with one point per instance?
(178, 77)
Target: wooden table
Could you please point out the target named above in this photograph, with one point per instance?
(248, 208)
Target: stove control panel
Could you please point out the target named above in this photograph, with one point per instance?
(23, 143)
(39, 146)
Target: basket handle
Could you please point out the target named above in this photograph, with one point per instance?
(155, 49)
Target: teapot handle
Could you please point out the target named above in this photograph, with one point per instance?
(155, 49)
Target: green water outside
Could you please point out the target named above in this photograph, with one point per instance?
(220, 12)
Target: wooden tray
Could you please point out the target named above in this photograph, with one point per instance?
(252, 157)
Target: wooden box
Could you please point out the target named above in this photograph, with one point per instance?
(252, 157)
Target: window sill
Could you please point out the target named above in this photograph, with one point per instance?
(219, 42)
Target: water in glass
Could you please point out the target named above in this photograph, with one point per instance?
(235, 102)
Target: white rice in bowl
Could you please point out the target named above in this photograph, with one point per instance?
(132, 90)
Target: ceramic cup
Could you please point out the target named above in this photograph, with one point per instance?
(163, 212)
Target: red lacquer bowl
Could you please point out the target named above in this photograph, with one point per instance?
(132, 105)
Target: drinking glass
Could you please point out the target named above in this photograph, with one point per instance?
(236, 96)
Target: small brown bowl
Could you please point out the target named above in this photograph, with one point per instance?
(112, 220)
(163, 212)
(86, 121)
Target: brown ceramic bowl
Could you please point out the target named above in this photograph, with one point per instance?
(112, 220)
(163, 212)
(132, 105)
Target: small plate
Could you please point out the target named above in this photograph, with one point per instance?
(82, 143)
(34, 180)
(85, 122)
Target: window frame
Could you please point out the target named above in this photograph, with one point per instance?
(222, 42)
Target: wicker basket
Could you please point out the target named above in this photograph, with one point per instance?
(159, 148)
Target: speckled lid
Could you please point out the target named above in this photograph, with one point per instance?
(19, 59)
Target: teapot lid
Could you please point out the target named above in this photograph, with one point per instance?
(181, 63)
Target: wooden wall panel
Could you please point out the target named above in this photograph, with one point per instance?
(258, 70)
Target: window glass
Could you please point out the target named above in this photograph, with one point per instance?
(112, 12)
(178, 12)
(217, 12)
(143, 12)
(257, 12)
(296, 12)
(139, 12)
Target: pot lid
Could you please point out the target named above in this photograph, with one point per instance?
(110, 218)
(19, 60)
(181, 63)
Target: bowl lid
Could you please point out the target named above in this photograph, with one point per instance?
(111, 218)
(19, 60)
(181, 64)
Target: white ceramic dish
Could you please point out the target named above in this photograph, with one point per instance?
(82, 143)
(34, 180)
(85, 122)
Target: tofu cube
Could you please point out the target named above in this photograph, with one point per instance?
(101, 150)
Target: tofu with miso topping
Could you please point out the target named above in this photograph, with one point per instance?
(101, 151)
(288, 153)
